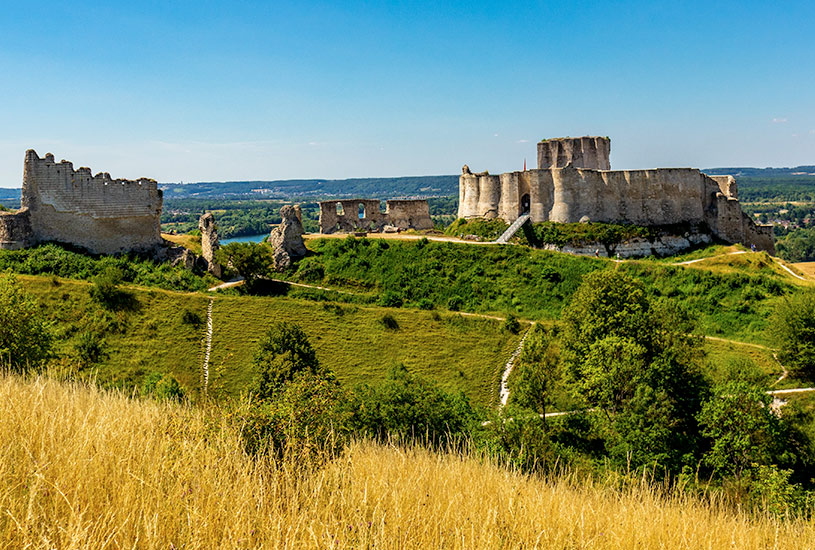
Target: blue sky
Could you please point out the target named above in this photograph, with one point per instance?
(204, 91)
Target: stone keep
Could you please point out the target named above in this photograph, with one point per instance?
(574, 183)
(98, 213)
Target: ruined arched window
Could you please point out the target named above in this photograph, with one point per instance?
(340, 211)
(361, 211)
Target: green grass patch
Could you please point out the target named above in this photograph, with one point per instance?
(151, 337)
(360, 343)
(732, 298)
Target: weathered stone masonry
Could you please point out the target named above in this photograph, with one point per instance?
(98, 213)
(571, 185)
(364, 214)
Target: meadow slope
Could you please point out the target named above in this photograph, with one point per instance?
(81, 468)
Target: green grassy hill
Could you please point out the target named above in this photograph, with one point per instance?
(459, 353)
(730, 295)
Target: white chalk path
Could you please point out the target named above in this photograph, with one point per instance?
(208, 345)
(503, 394)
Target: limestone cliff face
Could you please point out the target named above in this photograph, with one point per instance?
(101, 214)
(562, 191)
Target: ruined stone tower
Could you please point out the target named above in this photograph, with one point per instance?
(98, 213)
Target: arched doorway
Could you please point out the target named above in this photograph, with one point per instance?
(525, 204)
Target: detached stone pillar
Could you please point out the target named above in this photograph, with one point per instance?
(209, 242)
(286, 239)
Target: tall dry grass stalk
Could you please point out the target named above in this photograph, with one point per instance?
(80, 468)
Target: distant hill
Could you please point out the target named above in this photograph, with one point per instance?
(761, 172)
(382, 188)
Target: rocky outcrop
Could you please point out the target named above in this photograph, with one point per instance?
(286, 239)
(209, 243)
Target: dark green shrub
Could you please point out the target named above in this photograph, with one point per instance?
(389, 322)
(389, 298)
(25, 338)
(107, 293)
(90, 348)
(304, 422)
(162, 386)
(283, 352)
(511, 324)
(310, 271)
(408, 406)
(192, 318)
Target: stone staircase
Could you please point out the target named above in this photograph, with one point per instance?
(512, 229)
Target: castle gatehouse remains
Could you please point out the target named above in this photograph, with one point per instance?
(98, 213)
(574, 183)
(365, 215)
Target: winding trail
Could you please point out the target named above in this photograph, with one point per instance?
(788, 270)
(689, 262)
(208, 345)
(503, 394)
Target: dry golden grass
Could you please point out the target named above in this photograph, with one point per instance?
(85, 469)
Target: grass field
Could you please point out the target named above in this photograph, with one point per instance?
(81, 468)
(459, 353)
(149, 338)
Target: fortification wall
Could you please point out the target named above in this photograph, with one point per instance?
(663, 196)
(344, 215)
(101, 214)
(591, 152)
(408, 214)
(15, 230)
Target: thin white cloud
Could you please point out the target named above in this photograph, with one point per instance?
(779, 120)
(522, 141)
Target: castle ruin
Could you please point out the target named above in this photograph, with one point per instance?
(365, 215)
(98, 213)
(574, 183)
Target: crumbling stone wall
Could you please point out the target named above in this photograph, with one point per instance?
(365, 215)
(569, 194)
(98, 213)
(15, 230)
(209, 243)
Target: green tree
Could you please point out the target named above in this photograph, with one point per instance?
(306, 420)
(741, 426)
(536, 372)
(251, 260)
(25, 339)
(794, 322)
(637, 362)
(407, 406)
(283, 352)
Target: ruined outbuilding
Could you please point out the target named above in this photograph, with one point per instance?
(574, 183)
(286, 239)
(365, 215)
(95, 212)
